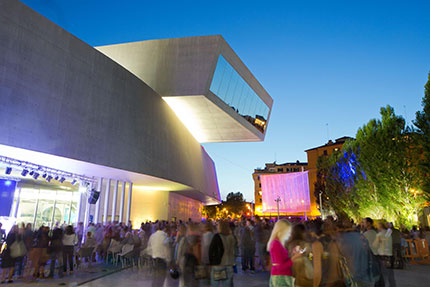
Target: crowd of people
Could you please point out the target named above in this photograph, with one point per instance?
(302, 253)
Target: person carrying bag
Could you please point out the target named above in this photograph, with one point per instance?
(221, 256)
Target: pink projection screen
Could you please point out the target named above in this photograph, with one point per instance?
(291, 188)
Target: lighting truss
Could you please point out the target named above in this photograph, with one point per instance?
(21, 165)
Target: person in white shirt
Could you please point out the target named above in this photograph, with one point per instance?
(369, 233)
(69, 242)
(158, 249)
(383, 245)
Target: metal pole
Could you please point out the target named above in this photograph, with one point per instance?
(70, 209)
(87, 209)
(97, 212)
(115, 196)
(121, 203)
(277, 204)
(130, 187)
(321, 206)
(106, 207)
(53, 211)
(17, 203)
(252, 208)
(35, 210)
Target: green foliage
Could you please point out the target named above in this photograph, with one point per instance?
(376, 174)
(235, 203)
(210, 211)
(422, 123)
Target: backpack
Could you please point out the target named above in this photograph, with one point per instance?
(216, 250)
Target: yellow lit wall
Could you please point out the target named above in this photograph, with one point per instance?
(162, 205)
(148, 205)
(182, 207)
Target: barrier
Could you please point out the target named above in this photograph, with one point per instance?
(417, 251)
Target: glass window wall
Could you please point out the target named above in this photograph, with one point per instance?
(230, 87)
(46, 204)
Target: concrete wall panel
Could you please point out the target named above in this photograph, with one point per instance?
(60, 96)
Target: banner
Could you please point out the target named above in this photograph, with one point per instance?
(292, 190)
(7, 192)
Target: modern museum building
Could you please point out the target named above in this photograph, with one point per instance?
(114, 132)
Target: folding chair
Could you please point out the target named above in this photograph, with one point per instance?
(126, 253)
(86, 252)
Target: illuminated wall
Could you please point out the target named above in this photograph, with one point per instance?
(183, 207)
(148, 205)
(291, 188)
(162, 205)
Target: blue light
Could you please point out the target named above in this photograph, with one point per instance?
(7, 182)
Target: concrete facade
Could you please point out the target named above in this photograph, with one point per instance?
(181, 70)
(62, 99)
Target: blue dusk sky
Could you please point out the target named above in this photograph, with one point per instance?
(329, 65)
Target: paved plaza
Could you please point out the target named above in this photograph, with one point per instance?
(107, 276)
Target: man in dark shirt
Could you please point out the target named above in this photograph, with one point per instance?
(56, 251)
(260, 234)
(247, 245)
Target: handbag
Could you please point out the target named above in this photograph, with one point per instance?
(347, 276)
(220, 274)
(17, 249)
(200, 272)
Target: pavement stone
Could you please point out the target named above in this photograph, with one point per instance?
(108, 275)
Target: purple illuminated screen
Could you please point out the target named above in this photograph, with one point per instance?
(291, 188)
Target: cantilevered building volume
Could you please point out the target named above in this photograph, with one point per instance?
(124, 120)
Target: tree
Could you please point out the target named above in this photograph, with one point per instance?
(210, 211)
(388, 159)
(422, 123)
(235, 203)
(377, 174)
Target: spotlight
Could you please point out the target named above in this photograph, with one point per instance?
(73, 181)
(8, 170)
(56, 178)
(31, 172)
(44, 175)
(24, 172)
(7, 182)
(62, 180)
(48, 179)
(35, 175)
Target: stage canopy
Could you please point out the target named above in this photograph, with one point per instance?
(291, 188)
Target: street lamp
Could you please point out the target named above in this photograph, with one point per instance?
(277, 204)
(321, 206)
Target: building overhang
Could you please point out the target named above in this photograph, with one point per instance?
(207, 122)
(182, 70)
(90, 170)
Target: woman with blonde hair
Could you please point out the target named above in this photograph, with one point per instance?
(281, 274)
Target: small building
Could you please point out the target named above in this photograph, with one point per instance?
(313, 155)
(290, 167)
